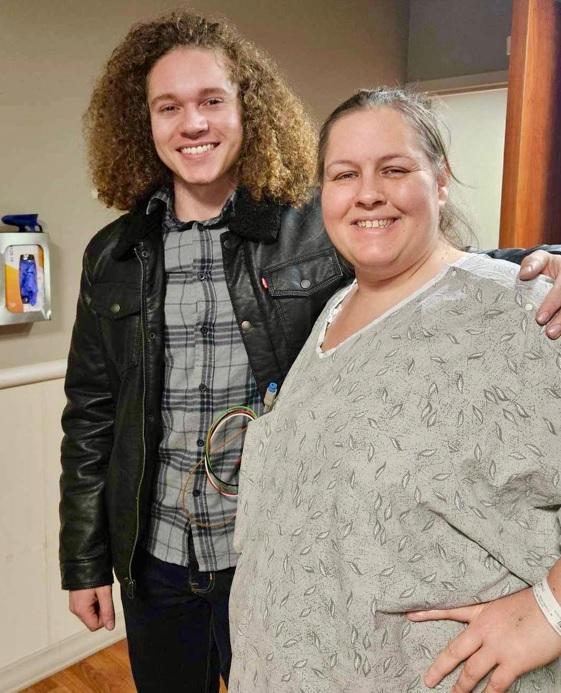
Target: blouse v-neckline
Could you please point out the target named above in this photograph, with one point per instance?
(337, 305)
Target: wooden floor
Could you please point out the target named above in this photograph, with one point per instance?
(107, 671)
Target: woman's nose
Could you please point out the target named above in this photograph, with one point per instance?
(370, 193)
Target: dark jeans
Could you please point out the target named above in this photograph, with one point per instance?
(177, 627)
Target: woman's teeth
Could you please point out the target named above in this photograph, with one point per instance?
(374, 223)
(200, 149)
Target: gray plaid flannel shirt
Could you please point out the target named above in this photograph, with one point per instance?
(206, 371)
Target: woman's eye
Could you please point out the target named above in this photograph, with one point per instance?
(394, 171)
(345, 175)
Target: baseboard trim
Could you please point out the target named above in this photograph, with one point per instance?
(56, 657)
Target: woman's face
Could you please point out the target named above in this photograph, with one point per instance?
(381, 198)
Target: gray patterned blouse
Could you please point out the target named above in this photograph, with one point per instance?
(415, 465)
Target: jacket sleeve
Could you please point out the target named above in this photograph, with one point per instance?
(518, 254)
(87, 421)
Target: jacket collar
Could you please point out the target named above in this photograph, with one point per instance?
(255, 221)
(251, 220)
(138, 227)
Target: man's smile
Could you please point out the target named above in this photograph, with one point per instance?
(198, 149)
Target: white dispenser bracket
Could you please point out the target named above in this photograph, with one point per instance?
(25, 277)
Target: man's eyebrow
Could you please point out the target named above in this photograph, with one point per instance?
(207, 91)
(216, 90)
(162, 97)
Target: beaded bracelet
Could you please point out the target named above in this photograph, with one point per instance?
(548, 604)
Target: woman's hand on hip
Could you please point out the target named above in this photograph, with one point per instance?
(508, 637)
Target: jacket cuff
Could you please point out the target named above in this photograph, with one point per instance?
(81, 575)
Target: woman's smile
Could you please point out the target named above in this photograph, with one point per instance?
(381, 224)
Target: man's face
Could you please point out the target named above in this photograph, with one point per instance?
(196, 119)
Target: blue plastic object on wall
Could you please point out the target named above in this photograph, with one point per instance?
(25, 222)
(28, 279)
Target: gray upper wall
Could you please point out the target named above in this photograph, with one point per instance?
(451, 38)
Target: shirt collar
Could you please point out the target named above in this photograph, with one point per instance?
(250, 220)
(164, 197)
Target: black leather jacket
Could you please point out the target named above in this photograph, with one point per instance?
(280, 271)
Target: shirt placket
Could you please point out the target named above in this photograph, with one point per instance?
(204, 357)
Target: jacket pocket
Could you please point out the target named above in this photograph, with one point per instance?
(299, 290)
(304, 276)
(117, 306)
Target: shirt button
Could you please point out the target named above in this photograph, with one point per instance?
(203, 387)
(200, 442)
(305, 283)
(202, 276)
(245, 325)
(115, 308)
(196, 492)
(204, 330)
(152, 335)
(227, 243)
(144, 253)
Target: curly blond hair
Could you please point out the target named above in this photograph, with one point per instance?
(277, 160)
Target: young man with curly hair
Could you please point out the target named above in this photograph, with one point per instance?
(194, 301)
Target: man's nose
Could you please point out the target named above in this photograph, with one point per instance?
(194, 123)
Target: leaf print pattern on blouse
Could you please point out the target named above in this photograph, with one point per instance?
(416, 465)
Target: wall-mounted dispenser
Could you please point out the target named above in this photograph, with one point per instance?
(25, 277)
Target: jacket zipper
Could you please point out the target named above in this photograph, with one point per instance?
(131, 582)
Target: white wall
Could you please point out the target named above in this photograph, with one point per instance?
(38, 635)
(477, 128)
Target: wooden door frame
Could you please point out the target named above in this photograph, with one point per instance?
(531, 193)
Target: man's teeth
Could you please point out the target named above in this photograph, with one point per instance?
(197, 150)
(374, 223)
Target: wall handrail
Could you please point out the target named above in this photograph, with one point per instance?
(33, 373)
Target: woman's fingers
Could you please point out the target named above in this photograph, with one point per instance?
(501, 680)
(474, 670)
(458, 650)
(465, 614)
(540, 262)
(534, 264)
